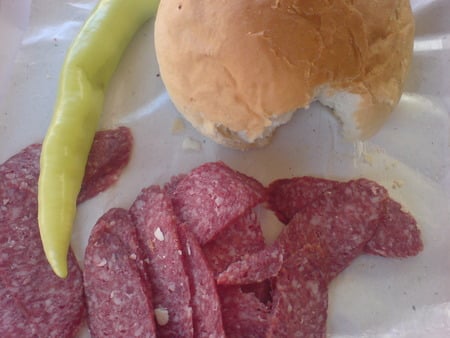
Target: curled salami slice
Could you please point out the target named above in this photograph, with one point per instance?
(300, 299)
(110, 153)
(253, 268)
(397, 234)
(286, 197)
(118, 296)
(212, 196)
(244, 315)
(45, 304)
(243, 237)
(344, 220)
(207, 316)
(157, 228)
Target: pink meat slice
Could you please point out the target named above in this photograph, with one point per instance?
(288, 196)
(157, 228)
(244, 315)
(109, 155)
(212, 196)
(12, 311)
(397, 234)
(207, 315)
(49, 306)
(300, 299)
(253, 268)
(243, 237)
(117, 293)
(344, 220)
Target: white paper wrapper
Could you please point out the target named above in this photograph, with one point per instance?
(374, 297)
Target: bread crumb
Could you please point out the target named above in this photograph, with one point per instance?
(177, 126)
(397, 184)
(368, 158)
(190, 144)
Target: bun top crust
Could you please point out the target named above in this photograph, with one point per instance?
(238, 66)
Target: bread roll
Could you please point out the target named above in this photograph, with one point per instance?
(239, 69)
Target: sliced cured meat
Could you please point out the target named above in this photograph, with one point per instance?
(288, 196)
(110, 153)
(212, 196)
(300, 299)
(344, 220)
(49, 306)
(253, 268)
(14, 312)
(118, 222)
(157, 228)
(18, 182)
(397, 234)
(243, 237)
(118, 296)
(207, 315)
(244, 315)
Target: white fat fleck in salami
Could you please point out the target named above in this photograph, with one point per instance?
(151, 210)
(118, 294)
(207, 315)
(212, 196)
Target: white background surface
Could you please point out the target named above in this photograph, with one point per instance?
(374, 297)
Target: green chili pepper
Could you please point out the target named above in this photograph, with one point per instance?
(87, 70)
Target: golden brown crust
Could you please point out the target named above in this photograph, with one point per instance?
(232, 68)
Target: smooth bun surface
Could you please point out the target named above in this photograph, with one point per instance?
(238, 69)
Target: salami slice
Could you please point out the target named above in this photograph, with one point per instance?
(244, 315)
(207, 315)
(14, 312)
(243, 237)
(212, 196)
(253, 268)
(157, 228)
(118, 296)
(397, 234)
(344, 220)
(45, 304)
(286, 197)
(110, 153)
(300, 299)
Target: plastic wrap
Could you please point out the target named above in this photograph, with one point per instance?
(374, 297)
